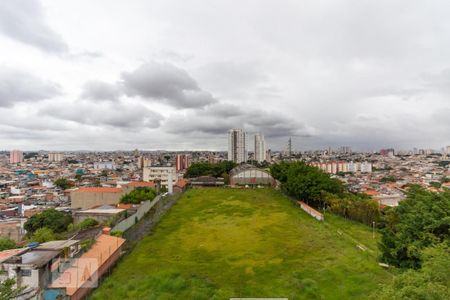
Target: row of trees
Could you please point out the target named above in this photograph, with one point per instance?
(305, 182)
(357, 207)
(317, 188)
(221, 169)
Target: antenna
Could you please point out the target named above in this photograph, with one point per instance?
(290, 148)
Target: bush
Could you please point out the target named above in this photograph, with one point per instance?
(6, 244)
(87, 244)
(117, 233)
(138, 195)
(55, 220)
(43, 235)
(87, 223)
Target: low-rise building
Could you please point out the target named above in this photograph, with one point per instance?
(88, 197)
(100, 214)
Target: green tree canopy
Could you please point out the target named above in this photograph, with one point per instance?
(305, 182)
(138, 195)
(63, 183)
(419, 221)
(6, 244)
(432, 281)
(207, 169)
(55, 220)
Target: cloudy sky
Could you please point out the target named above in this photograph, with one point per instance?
(176, 75)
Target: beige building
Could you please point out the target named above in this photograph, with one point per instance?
(89, 197)
(12, 229)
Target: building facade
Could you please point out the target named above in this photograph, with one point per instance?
(55, 156)
(237, 150)
(162, 174)
(182, 162)
(15, 157)
(260, 148)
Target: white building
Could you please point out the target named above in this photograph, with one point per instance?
(104, 165)
(55, 156)
(352, 167)
(260, 148)
(237, 150)
(160, 173)
(366, 167)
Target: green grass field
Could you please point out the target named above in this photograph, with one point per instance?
(222, 243)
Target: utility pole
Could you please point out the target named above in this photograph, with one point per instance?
(373, 229)
(290, 148)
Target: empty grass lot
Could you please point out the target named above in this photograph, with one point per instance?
(221, 243)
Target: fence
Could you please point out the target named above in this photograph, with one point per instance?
(311, 211)
(142, 210)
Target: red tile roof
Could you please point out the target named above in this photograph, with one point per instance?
(181, 183)
(98, 190)
(141, 184)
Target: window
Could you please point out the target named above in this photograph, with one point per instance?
(25, 273)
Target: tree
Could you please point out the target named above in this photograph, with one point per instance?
(432, 281)
(63, 183)
(6, 244)
(421, 220)
(55, 220)
(435, 184)
(388, 179)
(138, 195)
(207, 169)
(43, 235)
(8, 291)
(306, 182)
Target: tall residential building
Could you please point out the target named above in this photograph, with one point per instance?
(55, 156)
(260, 148)
(237, 150)
(15, 157)
(182, 162)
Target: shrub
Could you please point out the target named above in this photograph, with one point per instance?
(138, 195)
(87, 223)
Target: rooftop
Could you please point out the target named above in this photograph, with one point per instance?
(38, 258)
(98, 190)
(141, 184)
(100, 252)
(57, 245)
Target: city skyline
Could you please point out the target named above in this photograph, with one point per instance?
(151, 82)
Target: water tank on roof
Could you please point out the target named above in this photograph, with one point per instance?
(33, 245)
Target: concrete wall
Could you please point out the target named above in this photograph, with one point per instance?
(142, 210)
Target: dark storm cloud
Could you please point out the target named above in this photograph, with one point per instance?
(23, 20)
(100, 90)
(20, 86)
(166, 82)
(213, 120)
(127, 116)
